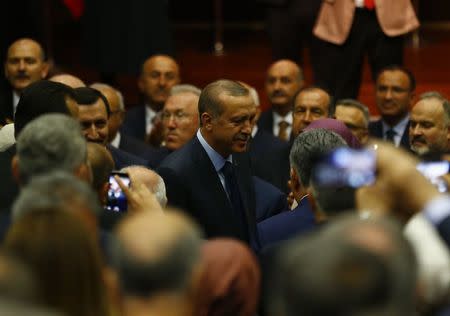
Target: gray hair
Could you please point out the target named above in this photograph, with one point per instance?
(158, 188)
(55, 190)
(100, 85)
(445, 103)
(307, 149)
(185, 88)
(352, 103)
(50, 142)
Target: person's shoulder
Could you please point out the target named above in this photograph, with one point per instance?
(181, 158)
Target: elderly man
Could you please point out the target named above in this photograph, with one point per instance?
(210, 176)
(159, 74)
(395, 88)
(284, 79)
(355, 116)
(25, 63)
(429, 129)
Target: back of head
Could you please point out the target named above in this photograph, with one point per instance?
(65, 259)
(338, 127)
(322, 276)
(50, 142)
(56, 190)
(152, 181)
(39, 98)
(68, 79)
(310, 146)
(101, 163)
(230, 279)
(157, 254)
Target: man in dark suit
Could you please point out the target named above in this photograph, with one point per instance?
(159, 74)
(94, 112)
(284, 80)
(210, 176)
(310, 104)
(119, 140)
(25, 63)
(394, 94)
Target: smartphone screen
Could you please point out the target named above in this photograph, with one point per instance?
(346, 167)
(116, 199)
(433, 171)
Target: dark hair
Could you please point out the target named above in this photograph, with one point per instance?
(86, 96)
(331, 104)
(407, 72)
(101, 162)
(41, 97)
(209, 98)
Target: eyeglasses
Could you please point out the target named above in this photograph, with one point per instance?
(177, 116)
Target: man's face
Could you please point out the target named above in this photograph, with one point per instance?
(231, 131)
(94, 122)
(116, 116)
(180, 119)
(428, 130)
(282, 83)
(354, 119)
(393, 94)
(159, 75)
(24, 64)
(309, 106)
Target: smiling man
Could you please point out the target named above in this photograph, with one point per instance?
(210, 177)
(395, 87)
(429, 130)
(25, 63)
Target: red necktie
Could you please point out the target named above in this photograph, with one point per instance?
(369, 4)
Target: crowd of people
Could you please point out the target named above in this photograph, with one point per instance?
(227, 213)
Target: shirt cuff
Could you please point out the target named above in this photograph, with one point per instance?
(438, 209)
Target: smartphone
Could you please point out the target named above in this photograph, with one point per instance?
(116, 199)
(345, 167)
(433, 171)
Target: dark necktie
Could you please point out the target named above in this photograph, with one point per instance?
(282, 132)
(390, 133)
(234, 196)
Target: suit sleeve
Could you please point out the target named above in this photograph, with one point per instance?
(177, 196)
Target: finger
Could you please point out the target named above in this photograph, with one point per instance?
(123, 186)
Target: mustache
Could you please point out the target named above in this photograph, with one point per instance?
(22, 75)
(278, 93)
(242, 137)
(419, 139)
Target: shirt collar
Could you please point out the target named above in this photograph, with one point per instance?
(116, 141)
(254, 130)
(16, 98)
(399, 129)
(217, 159)
(277, 118)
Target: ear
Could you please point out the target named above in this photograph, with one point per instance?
(45, 69)
(319, 216)
(295, 181)
(15, 169)
(206, 120)
(84, 172)
(103, 193)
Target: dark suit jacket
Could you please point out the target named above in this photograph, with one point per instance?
(287, 224)
(194, 186)
(6, 103)
(263, 142)
(273, 166)
(376, 130)
(134, 123)
(8, 187)
(142, 150)
(269, 199)
(123, 159)
(265, 121)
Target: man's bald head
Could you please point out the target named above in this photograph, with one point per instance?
(25, 63)
(151, 180)
(157, 253)
(68, 80)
